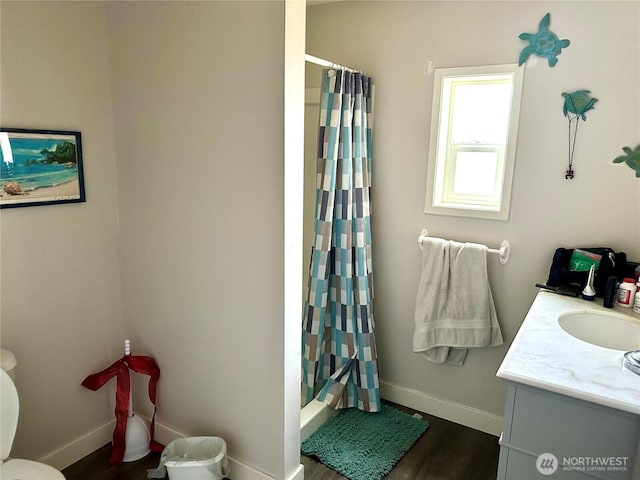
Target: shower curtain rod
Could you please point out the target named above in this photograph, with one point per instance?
(326, 63)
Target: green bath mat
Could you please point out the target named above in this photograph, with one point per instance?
(362, 445)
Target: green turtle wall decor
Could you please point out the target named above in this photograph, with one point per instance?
(632, 159)
(544, 43)
(575, 107)
(578, 103)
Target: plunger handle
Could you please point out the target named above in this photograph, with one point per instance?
(127, 351)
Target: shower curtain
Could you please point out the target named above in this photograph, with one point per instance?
(339, 359)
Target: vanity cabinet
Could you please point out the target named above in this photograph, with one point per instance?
(537, 421)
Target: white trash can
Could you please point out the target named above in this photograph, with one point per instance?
(194, 458)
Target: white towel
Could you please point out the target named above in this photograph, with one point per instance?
(454, 306)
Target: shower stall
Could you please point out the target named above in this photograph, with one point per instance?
(339, 358)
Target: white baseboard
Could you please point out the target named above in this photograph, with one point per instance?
(86, 444)
(80, 447)
(455, 412)
(165, 434)
(298, 474)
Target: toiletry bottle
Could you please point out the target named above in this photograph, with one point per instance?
(626, 293)
(610, 289)
(589, 293)
(636, 303)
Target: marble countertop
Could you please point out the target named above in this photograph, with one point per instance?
(543, 355)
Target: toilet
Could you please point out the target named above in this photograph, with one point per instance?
(13, 468)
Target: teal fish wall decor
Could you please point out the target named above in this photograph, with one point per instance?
(578, 103)
(631, 158)
(545, 43)
(575, 107)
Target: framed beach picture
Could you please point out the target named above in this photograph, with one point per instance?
(40, 167)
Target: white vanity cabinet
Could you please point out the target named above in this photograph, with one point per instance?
(567, 398)
(578, 433)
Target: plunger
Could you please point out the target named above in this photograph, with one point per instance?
(137, 435)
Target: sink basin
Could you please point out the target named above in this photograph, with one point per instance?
(605, 330)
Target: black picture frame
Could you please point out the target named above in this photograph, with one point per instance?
(40, 167)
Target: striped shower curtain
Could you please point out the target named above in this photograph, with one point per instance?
(339, 359)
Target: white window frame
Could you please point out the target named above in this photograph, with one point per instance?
(440, 198)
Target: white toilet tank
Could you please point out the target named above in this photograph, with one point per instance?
(8, 363)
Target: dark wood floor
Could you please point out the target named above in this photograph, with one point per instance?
(447, 451)
(96, 467)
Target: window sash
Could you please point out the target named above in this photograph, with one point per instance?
(442, 197)
(450, 196)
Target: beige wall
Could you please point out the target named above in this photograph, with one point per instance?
(61, 306)
(191, 264)
(313, 77)
(200, 205)
(199, 112)
(395, 42)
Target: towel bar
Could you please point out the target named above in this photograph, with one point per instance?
(504, 252)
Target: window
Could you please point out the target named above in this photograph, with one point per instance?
(474, 124)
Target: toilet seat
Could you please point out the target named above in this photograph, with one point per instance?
(17, 469)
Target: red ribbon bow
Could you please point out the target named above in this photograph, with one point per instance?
(120, 370)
